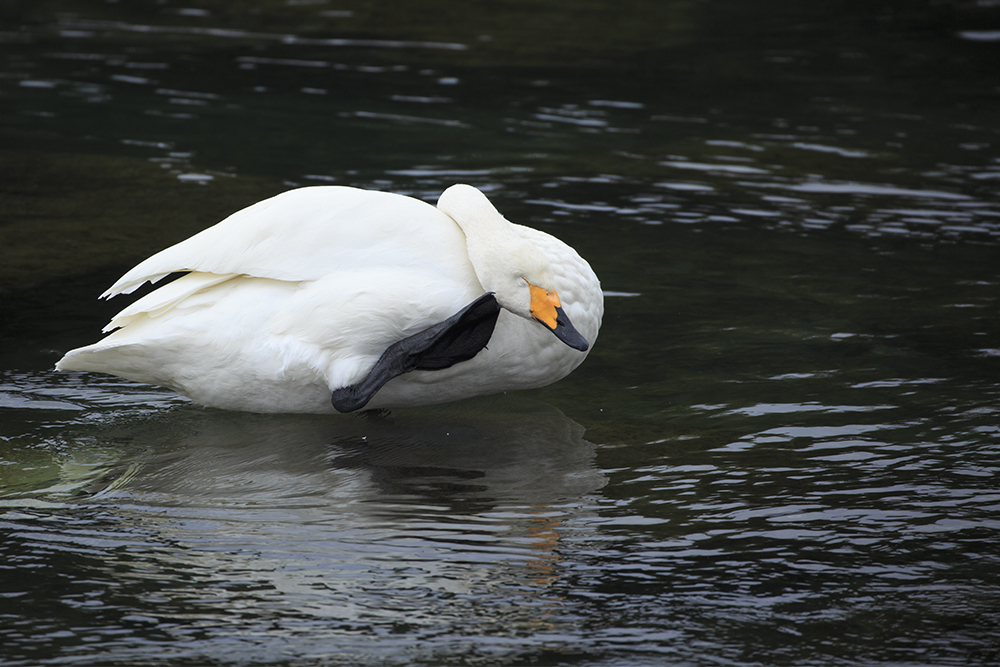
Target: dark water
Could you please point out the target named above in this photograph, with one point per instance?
(783, 449)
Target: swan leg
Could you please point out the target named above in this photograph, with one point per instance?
(456, 339)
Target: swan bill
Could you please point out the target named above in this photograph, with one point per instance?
(456, 339)
(547, 309)
(566, 332)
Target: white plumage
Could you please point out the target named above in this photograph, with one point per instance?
(300, 294)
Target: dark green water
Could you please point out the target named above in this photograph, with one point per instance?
(783, 449)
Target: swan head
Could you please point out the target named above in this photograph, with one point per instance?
(516, 270)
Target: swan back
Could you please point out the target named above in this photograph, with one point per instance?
(307, 233)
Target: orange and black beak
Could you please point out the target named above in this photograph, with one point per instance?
(547, 309)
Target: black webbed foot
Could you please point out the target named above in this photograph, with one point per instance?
(458, 338)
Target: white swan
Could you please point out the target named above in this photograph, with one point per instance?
(371, 298)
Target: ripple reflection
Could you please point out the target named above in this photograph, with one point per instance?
(426, 523)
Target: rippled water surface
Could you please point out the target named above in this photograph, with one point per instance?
(783, 449)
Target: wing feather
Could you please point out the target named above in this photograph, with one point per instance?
(307, 233)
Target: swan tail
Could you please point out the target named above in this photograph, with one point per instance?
(126, 360)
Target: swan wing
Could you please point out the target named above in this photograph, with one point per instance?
(306, 233)
(166, 297)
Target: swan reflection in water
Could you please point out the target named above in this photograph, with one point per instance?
(411, 516)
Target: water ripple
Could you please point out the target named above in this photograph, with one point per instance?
(87, 27)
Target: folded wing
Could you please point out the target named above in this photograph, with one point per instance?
(307, 233)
